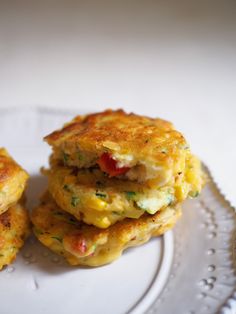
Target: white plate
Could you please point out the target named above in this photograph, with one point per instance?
(188, 271)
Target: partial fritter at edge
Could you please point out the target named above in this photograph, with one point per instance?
(14, 220)
(13, 181)
(14, 229)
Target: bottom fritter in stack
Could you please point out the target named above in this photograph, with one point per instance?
(14, 220)
(115, 180)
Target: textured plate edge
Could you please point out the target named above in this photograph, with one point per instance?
(229, 306)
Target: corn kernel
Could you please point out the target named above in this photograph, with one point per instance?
(96, 203)
(181, 191)
(104, 222)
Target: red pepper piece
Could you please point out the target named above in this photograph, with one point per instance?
(109, 165)
(79, 245)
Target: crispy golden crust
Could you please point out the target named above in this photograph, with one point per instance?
(82, 244)
(14, 228)
(12, 181)
(153, 142)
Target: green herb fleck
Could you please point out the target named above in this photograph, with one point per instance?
(194, 194)
(65, 157)
(58, 214)
(74, 201)
(80, 156)
(99, 194)
(57, 238)
(116, 213)
(93, 249)
(66, 187)
(94, 246)
(130, 195)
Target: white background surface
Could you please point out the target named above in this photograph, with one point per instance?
(173, 59)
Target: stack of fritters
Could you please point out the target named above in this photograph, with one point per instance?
(14, 220)
(115, 180)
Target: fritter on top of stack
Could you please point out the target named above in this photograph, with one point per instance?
(123, 173)
(14, 221)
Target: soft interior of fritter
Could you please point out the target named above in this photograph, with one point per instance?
(91, 196)
(123, 166)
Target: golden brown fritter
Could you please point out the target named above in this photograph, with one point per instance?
(82, 244)
(96, 199)
(12, 181)
(14, 228)
(124, 145)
